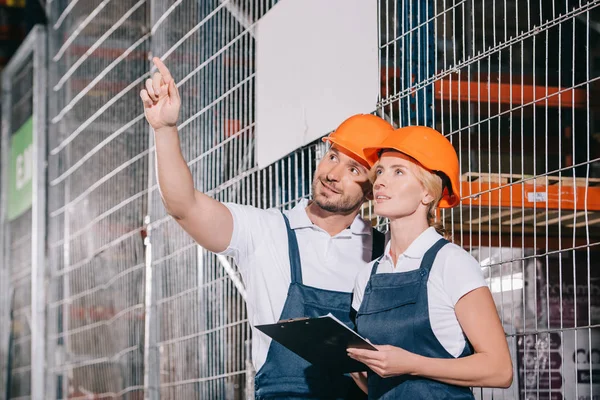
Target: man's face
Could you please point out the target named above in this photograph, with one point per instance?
(341, 182)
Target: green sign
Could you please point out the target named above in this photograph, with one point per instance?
(21, 170)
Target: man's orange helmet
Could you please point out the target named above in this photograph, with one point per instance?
(358, 132)
(430, 149)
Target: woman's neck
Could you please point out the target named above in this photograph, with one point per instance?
(404, 231)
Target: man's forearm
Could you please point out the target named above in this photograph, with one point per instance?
(174, 176)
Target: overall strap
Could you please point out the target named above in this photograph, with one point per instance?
(294, 253)
(430, 255)
(374, 269)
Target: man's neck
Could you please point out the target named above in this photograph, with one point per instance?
(332, 223)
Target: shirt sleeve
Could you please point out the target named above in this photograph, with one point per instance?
(248, 223)
(462, 274)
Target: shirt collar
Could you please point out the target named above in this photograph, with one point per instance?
(419, 246)
(299, 219)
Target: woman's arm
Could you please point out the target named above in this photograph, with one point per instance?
(490, 366)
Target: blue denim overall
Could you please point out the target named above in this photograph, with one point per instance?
(395, 311)
(286, 375)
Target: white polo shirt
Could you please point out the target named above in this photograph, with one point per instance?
(259, 246)
(454, 273)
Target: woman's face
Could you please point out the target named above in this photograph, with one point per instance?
(397, 191)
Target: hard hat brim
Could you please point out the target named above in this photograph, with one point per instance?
(347, 148)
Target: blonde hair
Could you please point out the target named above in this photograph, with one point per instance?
(434, 185)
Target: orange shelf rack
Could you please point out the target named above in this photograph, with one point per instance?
(463, 89)
(506, 93)
(526, 191)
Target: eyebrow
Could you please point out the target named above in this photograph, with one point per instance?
(352, 162)
(393, 166)
(355, 164)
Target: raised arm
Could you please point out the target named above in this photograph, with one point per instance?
(206, 220)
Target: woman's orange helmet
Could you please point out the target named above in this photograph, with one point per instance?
(430, 149)
(358, 132)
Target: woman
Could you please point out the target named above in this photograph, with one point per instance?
(424, 302)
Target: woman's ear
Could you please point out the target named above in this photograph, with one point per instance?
(427, 199)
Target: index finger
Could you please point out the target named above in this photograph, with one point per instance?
(162, 68)
(360, 352)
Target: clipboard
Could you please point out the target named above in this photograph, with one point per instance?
(322, 341)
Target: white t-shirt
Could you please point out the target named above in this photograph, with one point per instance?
(454, 273)
(259, 246)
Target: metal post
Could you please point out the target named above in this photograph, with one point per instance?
(38, 218)
(428, 62)
(151, 354)
(151, 351)
(250, 373)
(5, 296)
(33, 46)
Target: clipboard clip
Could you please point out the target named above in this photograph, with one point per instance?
(292, 319)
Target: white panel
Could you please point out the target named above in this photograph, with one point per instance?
(316, 64)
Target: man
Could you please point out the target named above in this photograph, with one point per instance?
(302, 262)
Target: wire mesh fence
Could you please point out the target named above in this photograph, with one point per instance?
(97, 198)
(134, 307)
(511, 84)
(18, 260)
(204, 336)
(22, 220)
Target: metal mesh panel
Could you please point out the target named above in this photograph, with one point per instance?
(20, 262)
(510, 83)
(18, 259)
(203, 337)
(97, 198)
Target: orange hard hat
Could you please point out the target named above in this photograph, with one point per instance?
(430, 149)
(358, 132)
